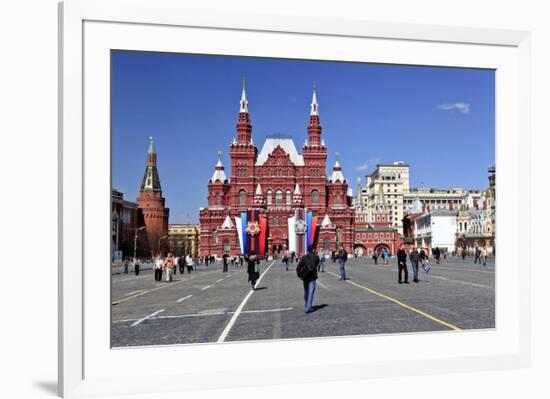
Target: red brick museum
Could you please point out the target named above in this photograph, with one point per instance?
(274, 183)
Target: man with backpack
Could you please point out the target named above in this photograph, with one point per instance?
(307, 272)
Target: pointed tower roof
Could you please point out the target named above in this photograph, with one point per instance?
(297, 190)
(227, 223)
(314, 104)
(258, 190)
(326, 221)
(151, 180)
(151, 146)
(337, 174)
(244, 101)
(219, 173)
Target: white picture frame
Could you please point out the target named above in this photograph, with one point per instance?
(87, 29)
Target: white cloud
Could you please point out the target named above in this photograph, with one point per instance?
(367, 165)
(461, 107)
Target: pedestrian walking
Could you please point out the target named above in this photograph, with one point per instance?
(342, 258)
(307, 272)
(253, 269)
(477, 255)
(422, 256)
(189, 263)
(175, 268)
(136, 266)
(241, 260)
(322, 262)
(158, 267)
(484, 255)
(414, 257)
(375, 257)
(402, 265)
(169, 267)
(285, 261)
(225, 263)
(181, 264)
(437, 254)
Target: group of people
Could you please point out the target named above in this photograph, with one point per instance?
(416, 257)
(384, 254)
(170, 265)
(234, 260)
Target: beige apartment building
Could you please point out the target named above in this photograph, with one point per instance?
(390, 181)
(183, 239)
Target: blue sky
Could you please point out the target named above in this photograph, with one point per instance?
(438, 120)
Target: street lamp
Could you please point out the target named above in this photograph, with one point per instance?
(138, 229)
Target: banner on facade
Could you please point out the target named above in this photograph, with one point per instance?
(252, 232)
(303, 231)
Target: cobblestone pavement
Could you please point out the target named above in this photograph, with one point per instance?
(211, 306)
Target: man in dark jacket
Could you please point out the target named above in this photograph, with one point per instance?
(402, 264)
(414, 257)
(307, 268)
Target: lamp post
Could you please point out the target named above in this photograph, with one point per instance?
(138, 229)
(160, 239)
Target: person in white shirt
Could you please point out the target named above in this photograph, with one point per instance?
(158, 268)
(189, 263)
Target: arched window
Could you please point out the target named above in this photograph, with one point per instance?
(269, 197)
(218, 199)
(215, 237)
(242, 197)
(288, 197)
(314, 196)
(279, 198)
(338, 199)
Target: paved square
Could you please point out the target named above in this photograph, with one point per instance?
(211, 306)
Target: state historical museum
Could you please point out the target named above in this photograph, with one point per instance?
(276, 199)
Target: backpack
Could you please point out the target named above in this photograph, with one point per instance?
(302, 270)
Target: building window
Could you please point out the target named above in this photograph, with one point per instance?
(314, 196)
(242, 197)
(218, 200)
(269, 197)
(278, 198)
(215, 238)
(288, 197)
(338, 199)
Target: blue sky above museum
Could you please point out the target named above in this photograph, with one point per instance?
(438, 120)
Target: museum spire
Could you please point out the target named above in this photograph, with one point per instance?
(244, 127)
(314, 126)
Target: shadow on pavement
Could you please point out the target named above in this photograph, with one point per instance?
(315, 308)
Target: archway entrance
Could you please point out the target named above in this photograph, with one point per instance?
(379, 249)
(359, 250)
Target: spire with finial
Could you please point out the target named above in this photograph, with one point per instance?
(314, 103)
(151, 180)
(314, 127)
(244, 127)
(219, 173)
(244, 101)
(337, 174)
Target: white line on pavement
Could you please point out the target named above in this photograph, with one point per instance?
(208, 313)
(229, 325)
(463, 282)
(221, 279)
(132, 293)
(147, 317)
(184, 298)
(205, 288)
